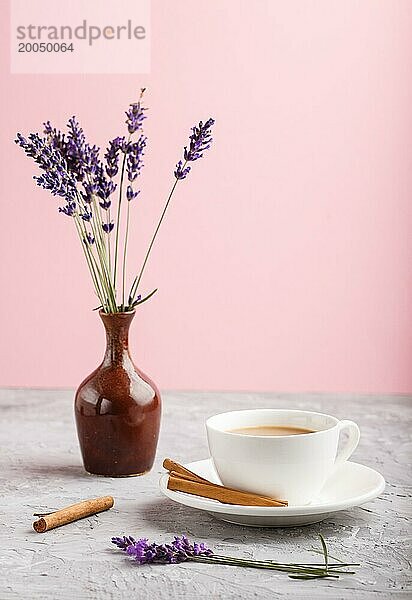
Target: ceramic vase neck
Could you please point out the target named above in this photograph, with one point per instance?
(117, 337)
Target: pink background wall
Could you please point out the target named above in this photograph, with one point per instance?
(286, 260)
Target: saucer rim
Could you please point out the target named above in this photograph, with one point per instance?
(256, 511)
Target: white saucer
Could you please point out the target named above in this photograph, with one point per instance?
(350, 485)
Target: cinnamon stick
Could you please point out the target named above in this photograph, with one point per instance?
(177, 470)
(73, 513)
(223, 487)
(219, 492)
(171, 465)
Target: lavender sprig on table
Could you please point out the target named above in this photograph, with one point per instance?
(72, 169)
(180, 549)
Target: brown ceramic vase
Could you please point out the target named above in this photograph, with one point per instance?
(117, 409)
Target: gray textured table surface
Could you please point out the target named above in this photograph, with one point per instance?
(41, 469)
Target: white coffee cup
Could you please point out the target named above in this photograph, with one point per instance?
(289, 467)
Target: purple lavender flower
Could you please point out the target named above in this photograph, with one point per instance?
(54, 136)
(200, 141)
(107, 227)
(58, 182)
(181, 172)
(81, 158)
(87, 215)
(75, 149)
(183, 546)
(135, 116)
(90, 161)
(103, 187)
(44, 155)
(66, 161)
(123, 542)
(69, 209)
(179, 550)
(134, 163)
(99, 186)
(89, 190)
(89, 239)
(56, 176)
(31, 146)
(112, 156)
(131, 194)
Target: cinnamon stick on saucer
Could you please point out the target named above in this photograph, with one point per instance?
(73, 513)
(171, 465)
(220, 492)
(184, 480)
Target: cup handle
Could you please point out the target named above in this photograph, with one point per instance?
(353, 440)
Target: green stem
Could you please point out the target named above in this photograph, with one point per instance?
(116, 248)
(300, 565)
(298, 570)
(109, 242)
(132, 305)
(87, 253)
(104, 236)
(126, 237)
(136, 282)
(102, 271)
(101, 251)
(104, 277)
(101, 279)
(309, 577)
(95, 266)
(325, 551)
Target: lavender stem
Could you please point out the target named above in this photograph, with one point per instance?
(136, 282)
(116, 245)
(126, 237)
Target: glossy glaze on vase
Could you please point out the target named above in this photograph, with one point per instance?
(117, 409)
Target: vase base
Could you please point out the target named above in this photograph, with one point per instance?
(118, 476)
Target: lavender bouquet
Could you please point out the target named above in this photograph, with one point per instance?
(73, 170)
